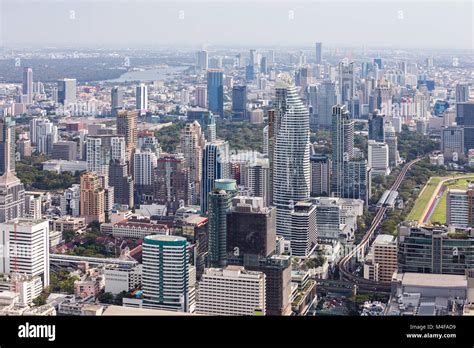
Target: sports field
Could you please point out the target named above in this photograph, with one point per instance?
(423, 198)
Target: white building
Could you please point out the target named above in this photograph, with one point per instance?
(70, 201)
(379, 158)
(101, 149)
(134, 229)
(142, 98)
(458, 207)
(303, 229)
(144, 164)
(33, 206)
(26, 248)
(231, 291)
(120, 278)
(61, 166)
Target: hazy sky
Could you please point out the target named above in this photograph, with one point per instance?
(127, 23)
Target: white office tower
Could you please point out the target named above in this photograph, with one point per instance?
(378, 158)
(144, 164)
(141, 99)
(202, 60)
(231, 291)
(291, 165)
(200, 96)
(28, 84)
(101, 149)
(165, 277)
(192, 142)
(25, 248)
(303, 229)
(45, 136)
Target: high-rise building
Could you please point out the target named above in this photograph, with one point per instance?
(116, 95)
(303, 229)
(12, 197)
(70, 201)
(200, 96)
(239, 103)
(356, 182)
(328, 219)
(231, 291)
(434, 250)
(250, 73)
(320, 175)
(28, 84)
(101, 149)
(165, 274)
(342, 146)
(256, 176)
(220, 201)
(46, 135)
(65, 150)
(207, 121)
(192, 142)
(251, 228)
(291, 164)
(127, 127)
(215, 91)
(319, 52)
(462, 93)
(382, 263)
(171, 186)
(465, 119)
(452, 143)
(311, 101)
(376, 127)
(346, 82)
(7, 145)
(392, 142)
(327, 98)
(215, 165)
(378, 158)
(141, 99)
(303, 77)
(144, 169)
(202, 60)
(67, 91)
(460, 207)
(26, 248)
(92, 198)
(122, 183)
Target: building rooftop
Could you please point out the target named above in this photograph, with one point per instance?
(434, 280)
(119, 310)
(384, 239)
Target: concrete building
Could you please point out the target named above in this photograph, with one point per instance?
(378, 158)
(231, 291)
(320, 175)
(12, 197)
(70, 201)
(303, 229)
(134, 228)
(452, 143)
(460, 207)
(26, 248)
(381, 263)
(119, 278)
(65, 150)
(92, 198)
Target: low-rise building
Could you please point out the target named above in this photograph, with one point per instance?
(119, 278)
(135, 228)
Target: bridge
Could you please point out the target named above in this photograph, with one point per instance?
(63, 259)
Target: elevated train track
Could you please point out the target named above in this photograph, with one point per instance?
(363, 246)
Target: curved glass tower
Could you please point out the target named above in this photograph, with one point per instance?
(291, 165)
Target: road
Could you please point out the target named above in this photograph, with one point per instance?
(345, 273)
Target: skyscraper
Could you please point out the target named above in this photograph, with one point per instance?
(239, 103)
(7, 145)
(117, 100)
(67, 91)
(465, 119)
(127, 127)
(101, 149)
(141, 99)
(452, 143)
(303, 229)
(192, 142)
(378, 158)
(319, 52)
(92, 198)
(12, 197)
(342, 134)
(327, 98)
(250, 73)
(215, 165)
(122, 183)
(28, 84)
(462, 93)
(346, 82)
(376, 127)
(165, 277)
(320, 175)
(171, 186)
(202, 60)
(144, 164)
(291, 167)
(215, 91)
(220, 201)
(200, 96)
